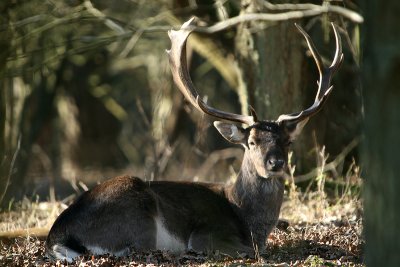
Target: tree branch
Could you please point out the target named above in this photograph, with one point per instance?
(313, 10)
(108, 22)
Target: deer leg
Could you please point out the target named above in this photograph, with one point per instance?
(209, 243)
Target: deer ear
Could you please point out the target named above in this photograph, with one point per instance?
(295, 128)
(231, 132)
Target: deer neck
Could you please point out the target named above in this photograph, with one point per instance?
(259, 201)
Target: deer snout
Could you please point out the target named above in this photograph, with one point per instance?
(275, 164)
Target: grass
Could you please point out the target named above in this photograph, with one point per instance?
(29, 218)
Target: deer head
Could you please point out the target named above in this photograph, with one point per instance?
(265, 142)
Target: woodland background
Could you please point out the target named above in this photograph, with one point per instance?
(87, 94)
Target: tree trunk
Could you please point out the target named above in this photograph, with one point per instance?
(272, 62)
(381, 81)
(5, 147)
(278, 78)
(272, 68)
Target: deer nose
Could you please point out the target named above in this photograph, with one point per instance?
(275, 164)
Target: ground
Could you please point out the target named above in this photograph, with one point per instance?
(314, 232)
(334, 244)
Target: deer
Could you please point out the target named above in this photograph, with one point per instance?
(126, 214)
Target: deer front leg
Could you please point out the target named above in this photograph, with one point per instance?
(207, 242)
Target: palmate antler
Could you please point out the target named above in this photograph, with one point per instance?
(325, 77)
(180, 73)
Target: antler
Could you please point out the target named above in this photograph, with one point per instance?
(180, 73)
(325, 76)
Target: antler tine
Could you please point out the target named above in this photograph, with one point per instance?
(325, 77)
(180, 73)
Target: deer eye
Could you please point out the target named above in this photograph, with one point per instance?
(252, 143)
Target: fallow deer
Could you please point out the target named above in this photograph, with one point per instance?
(127, 213)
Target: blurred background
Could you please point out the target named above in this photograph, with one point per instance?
(87, 94)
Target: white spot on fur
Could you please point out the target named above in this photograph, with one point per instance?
(64, 253)
(165, 240)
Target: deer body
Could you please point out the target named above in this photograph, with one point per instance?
(127, 213)
(132, 214)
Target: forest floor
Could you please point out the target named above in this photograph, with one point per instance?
(334, 244)
(313, 232)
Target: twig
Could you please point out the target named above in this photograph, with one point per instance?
(334, 9)
(131, 43)
(216, 156)
(72, 17)
(290, 6)
(23, 22)
(355, 54)
(297, 14)
(138, 33)
(108, 22)
(331, 165)
(11, 168)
